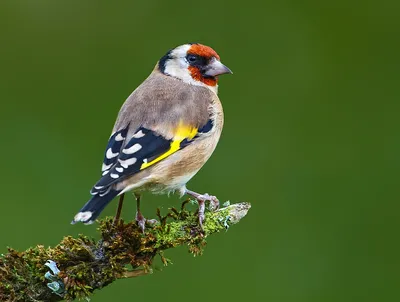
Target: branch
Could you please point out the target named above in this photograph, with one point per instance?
(81, 265)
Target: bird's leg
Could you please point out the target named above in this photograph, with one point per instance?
(140, 220)
(119, 209)
(201, 199)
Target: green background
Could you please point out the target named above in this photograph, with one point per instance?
(311, 138)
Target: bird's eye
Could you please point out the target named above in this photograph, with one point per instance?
(192, 59)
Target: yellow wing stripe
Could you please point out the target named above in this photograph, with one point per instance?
(182, 132)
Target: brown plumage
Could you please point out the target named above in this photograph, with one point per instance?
(169, 102)
(164, 133)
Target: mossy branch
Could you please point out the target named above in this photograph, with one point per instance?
(81, 265)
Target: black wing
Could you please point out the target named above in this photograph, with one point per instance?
(144, 149)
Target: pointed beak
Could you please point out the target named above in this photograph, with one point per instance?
(216, 68)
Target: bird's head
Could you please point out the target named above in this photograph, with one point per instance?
(195, 64)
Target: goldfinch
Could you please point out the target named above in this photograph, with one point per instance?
(164, 133)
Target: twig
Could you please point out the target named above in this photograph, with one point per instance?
(81, 265)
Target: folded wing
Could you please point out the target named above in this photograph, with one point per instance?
(142, 150)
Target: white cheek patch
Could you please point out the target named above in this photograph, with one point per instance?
(177, 67)
(178, 70)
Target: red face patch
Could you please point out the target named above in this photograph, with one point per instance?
(196, 75)
(206, 52)
(203, 50)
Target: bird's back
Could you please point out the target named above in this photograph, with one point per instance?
(164, 100)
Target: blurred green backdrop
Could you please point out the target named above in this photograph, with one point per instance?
(311, 138)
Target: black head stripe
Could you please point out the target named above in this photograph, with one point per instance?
(163, 61)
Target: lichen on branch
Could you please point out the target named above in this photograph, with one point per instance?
(82, 265)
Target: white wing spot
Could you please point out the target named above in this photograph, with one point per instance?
(119, 137)
(110, 154)
(128, 162)
(106, 172)
(99, 187)
(106, 192)
(145, 160)
(115, 176)
(119, 169)
(105, 167)
(138, 134)
(83, 216)
(133, 149)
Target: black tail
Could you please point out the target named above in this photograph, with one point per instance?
(92, 209)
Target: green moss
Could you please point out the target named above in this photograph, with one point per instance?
(217, 221)
(86, 265)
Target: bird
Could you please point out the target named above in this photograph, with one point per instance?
(164, 133)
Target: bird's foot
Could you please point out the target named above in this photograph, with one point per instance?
(201, 199)
(151, 221)
(141, 221)
(214, 202)
(214, 205)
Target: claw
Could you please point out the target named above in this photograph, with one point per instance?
(141, 221)
(214, 203)
(201, 199)
(152, 221)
